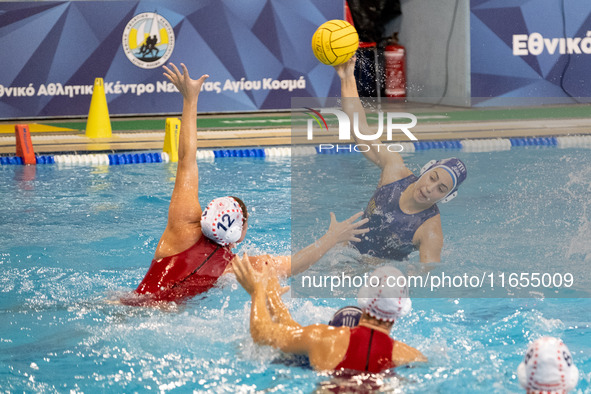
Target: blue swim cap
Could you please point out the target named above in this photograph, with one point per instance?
(456, 169)
(347, 316)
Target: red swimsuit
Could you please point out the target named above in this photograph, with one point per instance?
(183, 275)
(369, 350)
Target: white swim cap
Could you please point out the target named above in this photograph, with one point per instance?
(222, 221)
(383, 298)
(548, 367)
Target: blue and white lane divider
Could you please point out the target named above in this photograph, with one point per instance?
(479, 145)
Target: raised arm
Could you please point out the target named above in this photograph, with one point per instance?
(288, 337)
(279, 312)
(388, 161)
(184, 211)
(323, 344)
(277, 309)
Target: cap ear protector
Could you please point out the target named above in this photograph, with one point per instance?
(433, 164)
(427, 166)
(449, 197)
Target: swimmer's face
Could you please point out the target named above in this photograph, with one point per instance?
(433, 186)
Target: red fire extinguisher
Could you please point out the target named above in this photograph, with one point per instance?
(395, 70)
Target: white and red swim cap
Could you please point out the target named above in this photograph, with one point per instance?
(548, 367)
(222, 221)
(386, 295)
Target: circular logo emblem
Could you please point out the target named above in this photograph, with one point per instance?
(148, 40)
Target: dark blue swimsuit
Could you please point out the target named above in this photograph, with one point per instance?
(390, 230)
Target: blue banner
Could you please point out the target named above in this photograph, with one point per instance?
(530, 49)
(257, 53)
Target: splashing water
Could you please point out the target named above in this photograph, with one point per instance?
(75, 239)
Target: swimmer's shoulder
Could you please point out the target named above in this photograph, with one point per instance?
(177, 238)
(393, 173)
(430, 229)
(403, 354)
(327, 345)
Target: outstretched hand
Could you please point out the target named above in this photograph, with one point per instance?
(188, 87)
(247, 276)
(348, 229)
(346, 69)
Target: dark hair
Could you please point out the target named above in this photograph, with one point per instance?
(242, 206)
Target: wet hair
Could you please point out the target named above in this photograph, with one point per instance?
(242, 206)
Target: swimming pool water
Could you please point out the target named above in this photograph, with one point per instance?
(72, 238)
